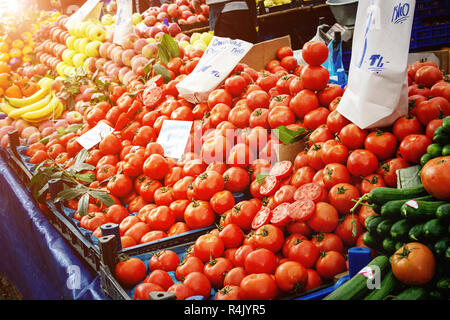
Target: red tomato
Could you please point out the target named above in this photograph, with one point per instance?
(260, 261)
(215, 270)
(143, 290)
(382, 144)
(325, 218)
(208, 245)
(352, 136)
(156, 167)
(334, 152)
(362, 162)
(235, 85)
(316, 117)
(431, 109)
(232, 236)
(405, 126)
(180, 290)
(370, 182)
(188, 265)
(243, 214)
(130, 272)
(259, 286)
(349, 229)
(234, 276)
(269, 237)
(314, 280)
(301, 210)
(304, 252)
(240, 255)
(341, 196)
(199, 214)
(428, 76)
(315, 53)
(303, 102)
(198, 283)
(413, 147)
(329, 93)
(311, 191)
(291, 276)
(315, 77)
(280, 116)
(236, 179)
(335, 173)
(329, 264)
(219, 96)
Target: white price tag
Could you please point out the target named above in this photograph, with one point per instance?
(367, 272)
(218, 60)
(81, 13)
(95, 135)
(173, 137)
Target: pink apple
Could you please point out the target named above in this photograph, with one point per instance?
(129, 41)
(5, 122)
(110, 49)
(159, 35)
(139, 62)
(181, 22)
(154, 31)
(162, 15)
(122, 72)
(61, 123)
(74, 117)
(20, 125)
(127, 55)
(164, 7)
(4, 130)
(174, 29)
(116, 54)
(103, 49)
(205, 9)
(45, 124)
(90, 64)
(201, 18)
(172, 10)
(47, 131)
(183, 7)
(4, 142)
(192, 19)
(28, 131)
(33, 138)
(186, 14)
(150, 20)
(150, 50)
(139, 44)
(129, 76)
(99, 63)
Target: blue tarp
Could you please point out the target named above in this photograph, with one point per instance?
(33, 255)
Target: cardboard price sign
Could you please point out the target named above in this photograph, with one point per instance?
(218, 60)
(173, 137)
(95, 135)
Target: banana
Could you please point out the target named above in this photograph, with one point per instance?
(6, 107)
(46, 111)
(17, 113)
(39, 95)
(60, 107)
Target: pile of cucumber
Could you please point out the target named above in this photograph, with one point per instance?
(441, 142)
(390, 288)
(408, 215)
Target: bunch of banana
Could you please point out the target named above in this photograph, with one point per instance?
(45, 85)
(53, 110)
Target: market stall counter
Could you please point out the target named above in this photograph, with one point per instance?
(39, 262)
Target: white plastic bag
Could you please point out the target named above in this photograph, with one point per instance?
(377, 90)
(123, 27)
(82, 13)
(218, 60)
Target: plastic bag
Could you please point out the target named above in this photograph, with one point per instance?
(334, 64)
(81, 14)
(124, 25)
(377, 89)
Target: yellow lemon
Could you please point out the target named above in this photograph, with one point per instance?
(15, 53)
(27, 50)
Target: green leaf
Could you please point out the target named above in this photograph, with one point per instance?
(159, 69)
(103, 196)
(148, 67)
(85, 177)
(260, 177)
(83, 205)
(69, 194)
(163, 54)
(73, 128)
(170, 45)
(288, 136)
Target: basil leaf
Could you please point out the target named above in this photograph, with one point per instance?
(69, 194)
(163, 54)
(171, 46)
(159, 69)
(260, 177)
(83, 205)
(288, 136)
(103, 196)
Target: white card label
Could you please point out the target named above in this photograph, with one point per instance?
(367, 272)
(95, 135)
(173, 137)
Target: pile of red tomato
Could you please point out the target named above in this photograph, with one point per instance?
(293, 231)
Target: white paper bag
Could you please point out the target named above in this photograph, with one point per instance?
(81, 14)
(218, 60)
(377, 90)
(123, 27)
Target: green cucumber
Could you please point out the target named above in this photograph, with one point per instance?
(382, 195)
(372, 224)
(387, 285)
(447, 254)
(370, 240)
(441, 245)
(391, 209)
(443, 212)
(435, 150)
(421, 210)
(384, 227)
(446, 124)
(416, 232)
(400, 229)
(435, 295)
(446, 150)
(441, 137)
(443, 283)
(434, 229)
(356, 287)
(412, 293)
(388, 245)
(425, 158)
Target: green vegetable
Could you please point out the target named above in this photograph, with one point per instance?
(434, 150)
(400, 229)
(441, 245)
(420, 211)
(446, 150)
(425, 158)
(356, 287)
(446, 124)
(443, 284)
(398, 245)
(382, 195)
(434, 229)
(389, 245)
(441, 136)
(435, 295)
(443, 212)
(372, 224)
(412, 293)
(391, 209)
(416, 232)
(370, 240)
(386, 287)
(447, 254)
(384, 227)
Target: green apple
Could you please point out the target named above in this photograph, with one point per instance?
(206, 37)
(84, 28)
(78, 59)
(199, 44)
(70, 42)
(184, 43)
(97, 33)
(195, 36)
(59, 67)
(136, 18)
(151, 40)
(67, 56)
(82, 44)
(91, 49)
(107, 19)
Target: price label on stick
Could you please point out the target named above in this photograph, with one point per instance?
(173, 137)
(95, 135)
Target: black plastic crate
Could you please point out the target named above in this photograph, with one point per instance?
(431, 8)
(430, 36)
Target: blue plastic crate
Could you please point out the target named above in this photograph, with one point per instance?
(431, 8)
(428, 36)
